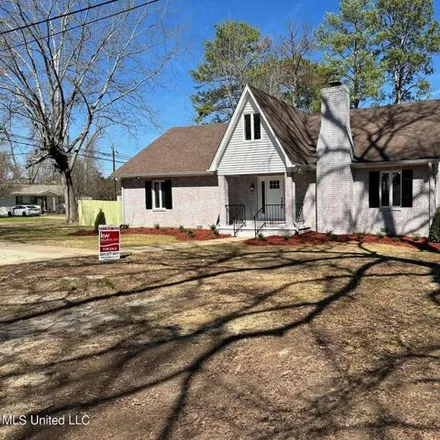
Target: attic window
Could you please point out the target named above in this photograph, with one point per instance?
(252, 126)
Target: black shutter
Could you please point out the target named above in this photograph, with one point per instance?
(148, 198)
(373, 189)
(407, 188)
(168, 193)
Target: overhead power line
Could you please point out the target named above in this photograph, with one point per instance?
(103, 153)
(80, 25)
(57, 17)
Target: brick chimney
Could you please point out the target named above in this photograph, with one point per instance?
(334, 156)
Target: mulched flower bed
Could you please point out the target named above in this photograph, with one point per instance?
(315, 238)
(198, 234)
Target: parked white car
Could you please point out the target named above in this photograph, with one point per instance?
(24, 210)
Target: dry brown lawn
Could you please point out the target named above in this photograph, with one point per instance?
(53, 231)
(226, 342)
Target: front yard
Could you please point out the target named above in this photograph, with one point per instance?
(226, 342)
(53, 231)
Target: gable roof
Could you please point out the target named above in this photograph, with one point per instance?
(408, 131)
(296, 131)
(38, 190)
(179, 151)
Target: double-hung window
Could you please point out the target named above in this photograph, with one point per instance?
(252, 126)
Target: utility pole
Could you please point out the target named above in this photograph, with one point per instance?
(114, 169)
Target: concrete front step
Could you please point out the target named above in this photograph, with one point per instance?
(249, 230)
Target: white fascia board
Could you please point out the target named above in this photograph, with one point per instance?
(286, 158)
(231, 126)
(233, 123)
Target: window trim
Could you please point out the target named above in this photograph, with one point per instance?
(252, 127)
(161, 196)
(391, 205)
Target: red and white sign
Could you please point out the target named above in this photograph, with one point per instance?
(109, 243)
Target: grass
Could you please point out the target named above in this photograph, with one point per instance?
(53, 231)
(324, 342)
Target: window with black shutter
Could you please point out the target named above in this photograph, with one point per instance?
(252, 126)
(158, 194)
(390, 189)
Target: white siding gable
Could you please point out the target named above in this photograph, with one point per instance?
(250, 157)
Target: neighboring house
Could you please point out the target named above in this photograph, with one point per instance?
(48, 197)
(279, 170)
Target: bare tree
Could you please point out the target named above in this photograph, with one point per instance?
(9, 174)
(64, 79)
(294, 49)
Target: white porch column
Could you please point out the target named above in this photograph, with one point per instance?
(223, 186)
(289, 199)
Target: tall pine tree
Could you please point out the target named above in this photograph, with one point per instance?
(408, 36)
(348, 41)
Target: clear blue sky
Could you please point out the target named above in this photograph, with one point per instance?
(172, 102)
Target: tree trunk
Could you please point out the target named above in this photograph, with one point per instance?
(70, 198)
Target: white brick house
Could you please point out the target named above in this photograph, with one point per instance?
(278, 170)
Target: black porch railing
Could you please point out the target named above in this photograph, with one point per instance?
(236, 214)
(267, 214)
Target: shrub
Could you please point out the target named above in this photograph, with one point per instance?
(285, 237)
(380, 235)
(416, 237)
(331, 235)
(261, 236)
(99, 220)
(434, 230)
(182, 228)
(395, 238)
(190, 233)
(156, 226)
(213, 227)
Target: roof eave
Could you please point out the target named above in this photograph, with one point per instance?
(394, 163)
(162, 174)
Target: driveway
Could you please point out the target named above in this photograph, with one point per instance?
(16, 253)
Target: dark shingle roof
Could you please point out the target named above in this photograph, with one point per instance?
(390, 133)
(397, 132)
(180, 150)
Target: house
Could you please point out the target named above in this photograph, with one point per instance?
(48, 197)
(275, 169)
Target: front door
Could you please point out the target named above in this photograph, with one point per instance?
(272, 198)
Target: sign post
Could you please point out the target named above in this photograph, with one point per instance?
(109, 242)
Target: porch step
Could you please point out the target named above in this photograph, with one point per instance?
(249, 231)
(303, 228)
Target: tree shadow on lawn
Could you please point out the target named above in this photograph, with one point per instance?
(325, 342)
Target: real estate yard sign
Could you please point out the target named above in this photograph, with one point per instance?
(109, 243)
